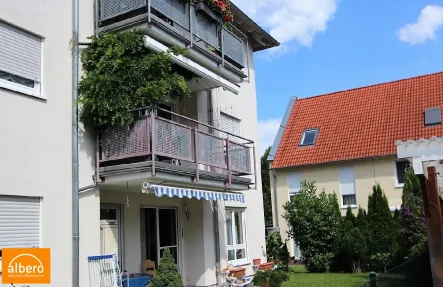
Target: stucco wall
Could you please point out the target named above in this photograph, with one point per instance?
(244, 107)
(366, 172)
(35, 148)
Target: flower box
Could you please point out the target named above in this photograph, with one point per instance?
(208, 11)
(237, 272)
(256, 261)
(266, 266)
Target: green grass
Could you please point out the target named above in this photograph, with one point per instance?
(300, 278)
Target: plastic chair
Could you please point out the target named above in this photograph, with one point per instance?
(104, 271)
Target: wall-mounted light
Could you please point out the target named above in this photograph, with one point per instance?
(186, 211)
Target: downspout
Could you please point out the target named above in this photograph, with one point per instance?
(216, 243)
(215, 203)
(274, 186)
(75, 175)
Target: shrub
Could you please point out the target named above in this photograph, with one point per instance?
(354, 245)
(380, 223)
(411, 234)
(167, 274)
(314, 224)
(277, 250)
(272, 277)
(121, 74)
(319, 263)
(273, 245)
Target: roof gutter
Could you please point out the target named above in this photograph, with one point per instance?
(281, 129)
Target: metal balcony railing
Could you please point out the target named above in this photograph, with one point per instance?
(196, 27)
(158, 139)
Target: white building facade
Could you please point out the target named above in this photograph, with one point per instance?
(198, 161)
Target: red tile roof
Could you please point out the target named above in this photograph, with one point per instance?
(361, 123)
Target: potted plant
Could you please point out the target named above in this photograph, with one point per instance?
(218, 10)
(270, 278)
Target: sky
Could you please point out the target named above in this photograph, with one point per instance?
(334, 45)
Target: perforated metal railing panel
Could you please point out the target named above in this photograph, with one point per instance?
(205, 30)
(172, 140)
(123, 142)
(240, 158)
(211, 150)
(112, 8)
(233, 47)
(173, 9)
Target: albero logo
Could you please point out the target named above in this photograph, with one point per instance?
(26, 265)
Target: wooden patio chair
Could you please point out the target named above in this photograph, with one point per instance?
(149, 267)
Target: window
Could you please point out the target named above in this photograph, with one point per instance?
(347, 186)
(401, 167)
(293, 183)
(20, 222)
(110, 230)
(236, 236)
(309, 137)
(20, 61)
(433, 116)
(296, 251)
(229, 124)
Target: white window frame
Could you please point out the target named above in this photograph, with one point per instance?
(37, 90)
(242, 261)
(342, 205)
(301, 144)
(398, 184)
(293, 190)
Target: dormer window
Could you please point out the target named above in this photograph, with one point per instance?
(309, 137)
(433, 116)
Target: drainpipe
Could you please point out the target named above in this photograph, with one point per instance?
(274, 177)
(216, 243)
(75, 176)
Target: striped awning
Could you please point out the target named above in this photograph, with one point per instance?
(161, 190)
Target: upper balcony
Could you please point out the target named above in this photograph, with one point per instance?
(170, 147)
(222, 48)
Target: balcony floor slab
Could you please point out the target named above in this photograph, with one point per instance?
(175, 174)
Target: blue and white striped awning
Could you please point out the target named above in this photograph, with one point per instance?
(161, 190)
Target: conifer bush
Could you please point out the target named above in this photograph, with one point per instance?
(167, 274)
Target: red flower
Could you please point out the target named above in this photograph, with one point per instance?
(228, 18)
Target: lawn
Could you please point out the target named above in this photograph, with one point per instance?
(300, 278)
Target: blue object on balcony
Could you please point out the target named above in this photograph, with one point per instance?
(136, 280)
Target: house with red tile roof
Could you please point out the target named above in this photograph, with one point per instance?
(345, 141)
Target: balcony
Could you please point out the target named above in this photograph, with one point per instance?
(191, 151)
(190, 22)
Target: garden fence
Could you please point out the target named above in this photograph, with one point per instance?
(413, 272)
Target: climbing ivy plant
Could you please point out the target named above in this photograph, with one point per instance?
(121, 75)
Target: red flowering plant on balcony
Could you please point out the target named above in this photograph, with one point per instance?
(222, 7)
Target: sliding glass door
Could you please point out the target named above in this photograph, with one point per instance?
(158, 230)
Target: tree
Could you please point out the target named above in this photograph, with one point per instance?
(411, 234)
(314, 224)
(167, 274)
(354, 245)
(266, 187)
(411, 196)
(349, 219)
(380, 224)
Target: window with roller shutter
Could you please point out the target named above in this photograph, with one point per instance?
(20, 60)
(19, 222)
(229, 124)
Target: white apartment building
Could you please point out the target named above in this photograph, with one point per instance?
(186, 176)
